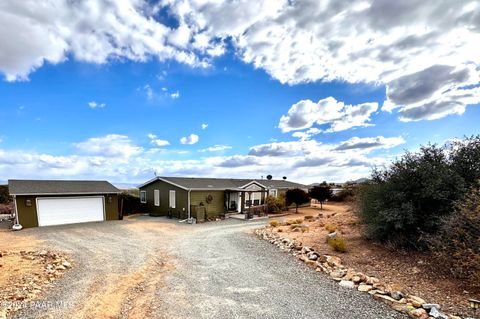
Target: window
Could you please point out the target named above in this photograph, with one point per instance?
(156, 197)
(143, 197)
(273, 192)
(171, 199)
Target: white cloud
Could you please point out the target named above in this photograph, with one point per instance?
(111, 145)
(377, 41)
(370, 143)
(336, 114)
(204, 126)
(94, 105)
(116, 158)
(93, 31)
(215, 148)
(156, 141)
(191, 139)
(175, 95)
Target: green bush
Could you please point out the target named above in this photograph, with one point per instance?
(338, 244)
(275, 204)
(405, 203)
(5, 197)
(457, 244)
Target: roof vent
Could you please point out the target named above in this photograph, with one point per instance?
(209, 185)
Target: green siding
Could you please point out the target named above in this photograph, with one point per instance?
(27, 215)
(181, 200)
(215, 208)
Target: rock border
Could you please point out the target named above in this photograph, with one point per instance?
(413, 306)
(29, 287)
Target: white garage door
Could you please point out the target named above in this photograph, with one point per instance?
(57, 211)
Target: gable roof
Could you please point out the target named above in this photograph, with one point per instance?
(56, 187)
(201, 183)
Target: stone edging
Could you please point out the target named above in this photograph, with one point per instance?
(413, 306)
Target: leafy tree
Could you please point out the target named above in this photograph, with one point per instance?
(296, 196)
(321, 193)
(465, 159)
(405, 203)
(5, 197)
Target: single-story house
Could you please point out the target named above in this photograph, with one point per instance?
(185, 197)
(56, 202)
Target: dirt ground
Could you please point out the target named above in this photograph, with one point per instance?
(410, 272)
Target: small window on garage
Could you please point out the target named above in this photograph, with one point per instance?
(143, 197)
(171, 199)
(156, 197)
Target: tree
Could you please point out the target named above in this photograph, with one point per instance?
(321, 193)
(465, 160)
(405, 203)
(296, 196)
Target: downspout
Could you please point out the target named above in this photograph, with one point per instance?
(188, 203)
(16, 225)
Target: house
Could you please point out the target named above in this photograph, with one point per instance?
(56, 202)
(185, 197)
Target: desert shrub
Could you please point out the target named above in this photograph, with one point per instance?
(274, 223)
(296, 196)
(5, 197)
(457, 244)
(280, 230)
(330, 228)
(294, 221)
(345, 195)
(308, 217)
(275, 204)
(405, 203)
(338, 244)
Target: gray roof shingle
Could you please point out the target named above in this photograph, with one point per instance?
(52, 187)
(225, 183)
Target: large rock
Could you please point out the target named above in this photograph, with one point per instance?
(347, 284)
(417, 302)
(339, 273)
(364, 288)
(334, 261)
(389, 300)
(437, 314)
(419, 313)
(372, 280)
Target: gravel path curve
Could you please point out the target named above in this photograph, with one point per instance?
(217, 270)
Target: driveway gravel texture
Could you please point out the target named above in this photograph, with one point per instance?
(147, 267)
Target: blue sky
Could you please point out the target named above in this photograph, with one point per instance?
(122, 107)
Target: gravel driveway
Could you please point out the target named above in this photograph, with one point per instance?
(153, 267)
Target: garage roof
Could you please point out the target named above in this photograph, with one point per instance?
(59, 187)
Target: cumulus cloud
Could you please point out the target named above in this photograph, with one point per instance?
(156, 141)
(215, 148)
(117, 158)
(430, 42)
(111, 145)
(94, 105)
(191, 139)
(204, 126)
(175, 95)
(370, 143)
(335, 114)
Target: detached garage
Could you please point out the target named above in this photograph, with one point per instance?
(57, 202)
